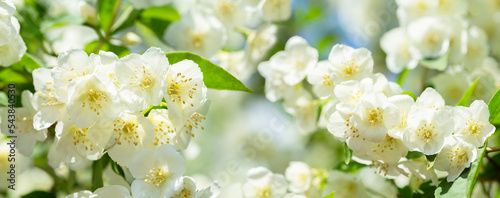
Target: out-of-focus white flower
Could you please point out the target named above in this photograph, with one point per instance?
(396, 45)
(196, 32)
(231, 13)
(93, 98)
(344, 185)
(350, 64)
(276, 10)
(88, 12)
(263, 183)
(303, 108)
(321, 77)
(131, 133)
(477, 48)
(427, 132)
(156, 172)
(471, 124)
(23, 124)
(142, 4)
(452, 8)
(418, 168)
(143, 78)
(409, 10)
(452, 85)
(12, 51)
(376, 184)
(374, 116)
(299, 175)
(291, 195)
(275, 86)
(260, 41)
(429, 37)
(237, 64)
(70, 37)
(455, 157)
(114, 191)
(458, 39)
(326, 111)
(8, 24)
(388, 88)
(50, 109)
(88, 142)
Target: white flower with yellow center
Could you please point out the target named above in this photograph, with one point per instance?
(303, 108)
(409, 10)
(471, 124)
(131, 133)
(350, 92)
(452, 85)
(22, 124)
(88, 142)
(185, 188)
(429, 37)
(299, 175)
(389, 151)
(185, 87)
(396, 45)
(418, 168)
(388, 88)
(477, 48)
(69, 155)
(156, 172)
(404, 104)
(164, 130)
(275, 86)
(260, 41)
(350, 64)
(427, 132)
(321, 78)
(196, 32)
(276, 10)
(428, 102)
(452, 7)
(296, 61)
(262, 183)
(50, 109)
(231, 13)
(455, 157)
(374, 116)
(143, 78)
(93, 99)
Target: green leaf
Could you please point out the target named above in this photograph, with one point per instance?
(38, 194)
(126, 19)
(439, 64)
(213, 76)
(402, 77)
(331, 195)
(407, 92)
(494, 107)
(464, 101)
(413, 155)
(3, 99)
(347, 154)
(107, 12)
(97, 168)
(464, 184)
(117, 169)
(9, 76)
(158, 18)
(27, 62)
(118, 50)
(150, 38)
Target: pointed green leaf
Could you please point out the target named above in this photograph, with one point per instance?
(464, 101)
(107, 12)
(464, 184)
(118, 50)
(331, 195)
(27, 62)
(402, 77)
(117, 169)
(347, 154)
(439, 64)
(494, 107)
(213, 76)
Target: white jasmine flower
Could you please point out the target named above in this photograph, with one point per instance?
(275, 87)
(452, 8)
(9, 24)
(396, 45)
(12, 51)
(196, 32)
(260, 41)
(350, 64)
(455, 157)
(276, 10)
(471, 124)
(350, 92)
(427, 132)
(429, 37)
(68, 155)
(71, 36)
(477, 48)
(404, 104)
(263, 183)
(50, 109)
(418, 168)
(299, 175)
(374, 116)
(326, 111)
(389, 151)
(381, 84)
(185, 188)
(344, 185)
(23, 124)
(452, 85)
(131, 133)
(114, 191)
(458, 38)
(88, 142)
(156, 172)
(321, 78)
(231, 13)
(429, 101)
(303, 108)
(93, 99)
(342, 127)
(409, 10)
(143, 78)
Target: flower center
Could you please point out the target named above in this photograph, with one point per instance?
(404, 117)
(193, 122)
(157, 176)
(427, 132)
(473, 127)
(162, 129)
(80, 136)
(457, 157)
(180, 90)
(94, 100)
(327, 81)
(375, 116)
(142, 78)
(48, 96)
(350, 68)
(25, 123)
(262, 191)
(127, 131)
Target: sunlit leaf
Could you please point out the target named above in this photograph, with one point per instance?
(107, 13)
(464, 101)
(118, 50)
(331, 195)
(439, 64)
(213, 76)
(494, 107)
(347, 154)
